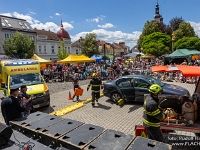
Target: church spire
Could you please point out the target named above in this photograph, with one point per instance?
(61, 25)
(157, 8)
(157, 16)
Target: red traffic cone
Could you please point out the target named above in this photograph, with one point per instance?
(70, 96)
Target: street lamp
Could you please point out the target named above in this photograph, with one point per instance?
(173, 39)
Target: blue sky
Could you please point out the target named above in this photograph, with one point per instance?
(111, 20)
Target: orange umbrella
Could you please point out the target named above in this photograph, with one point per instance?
(189, 70)
(165, 69)
(159, 69)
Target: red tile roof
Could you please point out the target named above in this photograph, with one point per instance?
(50, 35)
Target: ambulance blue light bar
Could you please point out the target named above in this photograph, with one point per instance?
(20, 63)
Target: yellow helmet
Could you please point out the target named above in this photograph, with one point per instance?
(94, 75)
(155, 89)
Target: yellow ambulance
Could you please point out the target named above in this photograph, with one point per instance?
(19, 72)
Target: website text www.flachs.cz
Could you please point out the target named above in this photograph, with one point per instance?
(184, 141)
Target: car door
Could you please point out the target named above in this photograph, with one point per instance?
(141, 88)
(126, 88)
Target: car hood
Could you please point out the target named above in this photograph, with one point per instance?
(174, 90)
(108, 82)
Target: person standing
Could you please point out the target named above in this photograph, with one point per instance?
(153, 114)
(125, 72)
(75, 82)
(12, 107)
(96, 84)
(23, 95)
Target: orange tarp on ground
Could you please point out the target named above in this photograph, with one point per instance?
(187, 71)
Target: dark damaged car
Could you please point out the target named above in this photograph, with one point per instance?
(134, 87)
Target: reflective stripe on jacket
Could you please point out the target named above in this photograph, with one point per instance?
(96, 84)
(152, 114)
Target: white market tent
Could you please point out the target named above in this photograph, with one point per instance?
(133, 54)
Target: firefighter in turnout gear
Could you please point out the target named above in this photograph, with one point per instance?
(96, 84)
(153, 114)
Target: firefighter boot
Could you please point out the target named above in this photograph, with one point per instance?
(93, 103)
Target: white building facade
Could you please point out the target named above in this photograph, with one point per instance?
(9, 26)
(47, 43)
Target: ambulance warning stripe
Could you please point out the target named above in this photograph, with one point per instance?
(70, 108)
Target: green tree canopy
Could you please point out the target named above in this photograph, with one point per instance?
(89, 45)
(156, 44)
(188, 43)
(149, 28)
(19, 46)
(62, 52)
(184, 30)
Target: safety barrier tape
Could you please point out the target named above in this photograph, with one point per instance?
(70, 108)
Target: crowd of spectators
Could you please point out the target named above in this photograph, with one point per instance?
(107, 71)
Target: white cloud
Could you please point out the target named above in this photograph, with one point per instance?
(6, 14)
(107, 25)
(32, 12)
(52, 26)
(196, 27)
(28, 18)
(71, 21)
(38, 24)
(130, 39)
(97, 19)
(57, 14)
(50, 16)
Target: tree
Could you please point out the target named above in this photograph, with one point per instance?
(156, 44)
(175, 22)
(184, 30)
(188, 43)
(149, 27)
(19, 46)
(62, 52)
(89, 45)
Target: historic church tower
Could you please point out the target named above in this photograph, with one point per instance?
(157, 16)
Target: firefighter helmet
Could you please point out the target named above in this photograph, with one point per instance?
(155, 89)
(94, 75)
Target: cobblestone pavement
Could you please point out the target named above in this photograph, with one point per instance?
(105, 113)
(63, 86)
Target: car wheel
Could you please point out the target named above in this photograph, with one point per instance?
(116, 96)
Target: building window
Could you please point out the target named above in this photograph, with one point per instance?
(7, 35)
(77, 51)
(45, 50)
(40, 50)
(68, 50)
(52, 49)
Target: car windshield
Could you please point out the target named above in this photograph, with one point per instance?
(155, 81)
(25, 79)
